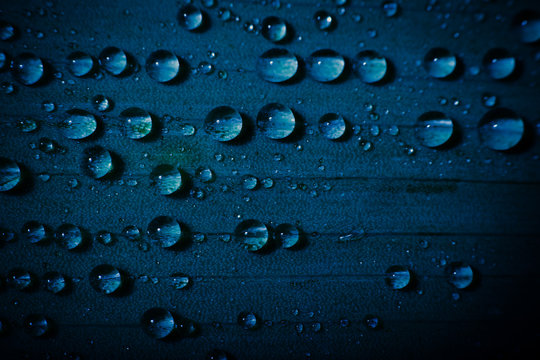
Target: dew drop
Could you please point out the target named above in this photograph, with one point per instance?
(499, 63)
(37, 325)
(332, 126)
(369, 66)
(20, 279)
(440, 63)
(165, 230)
(324, 20)
(106, 279)
(97, 162)
(101, 103)
(252, 234)
(27, 125)
(6, 236)
(501, 129)
(7, 31)
(325, 65)
(162, 66)
(158, 323)
(69, 236)
(79, 124)
(54, 282)
(166, 179)
(48, 106)
(132, 233)
(267, 183)
(10, 174)
(398, 277)
(28, 69)
(250, 182)
(190, 17)
(277, 65)
(104, 237)
(527, 25)
(137, 123)
(179, 281)
(205, 174)
(274, 29)
(460, 275)
(372, 322)
(288, 235)
(276, 121)
(434, 129)
(390, 8)
(489, 100)
(80, 63)
(35, 232)
(114, 60)
(248, 320)
(223, 123)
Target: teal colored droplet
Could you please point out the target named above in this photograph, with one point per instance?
(54, 282)
(114, 60)
(162, 66)
(499, 63)
(27, 124)
(179, 281)
(277, 65)
(248, 320)
(276, 121)
(37, 325)
(501, 129)
(158, 323)
(398, 277)
(137, 123)
(434, 129)
(288, 235)
(106, 279)
(101, 103)
(48, 146)
(97, 162)
(440, 63)
(369, 66)
(460, 275)
(527, 25)
(332, 126)
(223, 123)
(80, 63)
(190, 17)
(205, 174)
(104, 237)
(132, 233)
(390, 8)
(165, 230)
(10, 174)
(324, 20)
(250, 182)
(28, 69)
(166, 179)
(69, 236)
(7, 31)
(252, 234)
(35, 232)
(325, 65)
(20, 279)
(274, 29)
(79, 124)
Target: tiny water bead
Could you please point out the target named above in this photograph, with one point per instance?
(190, 17)
(223, 123)
(398, 277)
(105, 237)
(79, 124)
(527, 26)
(101, 103)
(277, 65)
(10, 174)
(205, 174)
(325, 65)
(97, 162)
(7, 31)
(20, 279)
(248, 320)
(166, 179)
(80, 63)
(54, 282)
(440, 63)
(324, 20)
(276, 121)
(332, 126)
(69, 236)
(158, 323)
(179, 281)
(460, 275)
(35, 232)
(489, 100)
(106, 279)
(48, 106)
(434, 129)
(390, 8)
(499, 63)
(369, 66)
(288, 235)
(165, 230)
(250, 182)
(114, 60)
(132, 233)
(252, 234)
(28, 69)
(137, 123)
(372, 322)
(37, 325)
(162, 66)
(501, 129)
(274, 29)
(27, 125)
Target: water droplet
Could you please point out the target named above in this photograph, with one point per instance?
(48, 106)
(317, 327)
(101, 103)
(288, 235)
(10, 174)
(158, 323)
(325, 65)
(277, 65)
(501, 129)
(165, 230)
(205, 68)
(106, 279)
(97, 162)
(209, 3)
(250, 182)
(205, 174)
(223, 123)
(132, 233)
(440, 63)
(248, 320)
(162, 66)
(372, 322)
(352, 236)
(190, 17)
(27, 124)
(166, 179)
(137, 123)
(54, 282)
(199, 237)
(27, 68)
(224, 14)
(398, 277)
(7, 31)
(390, 8)
(499, 63)
(6, 236)
(37, 325)
(434, 129)
(460, 275)
(114, 60)
(69, 236)
(179, 281)
(105, 237)
(20, 279)
(35, 232)
(274, 29)
(324, 20)
(252, 234)
(369, 66)
(222, 74)
(267, 183)
(225, 238)
(79, 124)
(217, 354)
(527, 25)
(80, 63)
(276, 121)
(489, 100)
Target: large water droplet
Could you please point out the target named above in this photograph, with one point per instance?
(80, 63)
(10, 174)
(252, 234)
(27, 68)
(274, 29)
(277, 65)
(501, 129)
(398, 277)
(324, 20)
(114, 60)
(20, 279)
(223, 123)
(276, 121)
(248, 320)
(332, 126)
(369, 66)
(460, 275)
(440, 63)
(162, 66)
(499, 63)
(165, 230)
(325, 65)
(434, 129)
(527, 25)
(137, 123)
(37, 325)
(106, 279)
(35, 232)
(69, 236)
(158, 323)
(190, 17)
(97, 162)
(166, 179)
(54, 282)
(78, 124)
(288, 235)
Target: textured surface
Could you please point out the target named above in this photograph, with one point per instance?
(469, 203)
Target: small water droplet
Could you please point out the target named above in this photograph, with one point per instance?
(158, 323)
(434, 129)
(252, 234)
(390, 8)
(37, 325)
(48, 106)
(489, 100)
(27, 124)
(372, 322)
(332, 126)
(101, 103)
(162, 66)
(166, 231)
(28, 69)
(267, 183)
(277, 65)
(460, 275)
(501, 129)
(54, 282)
(132, 233)
(205, 68)
(274, 29)
(10, 174)
(190, 17)
(80, 63)
(224, 14)
(179, 281)
(440, 63)
(248, 320)
(250, 182)
(106, 279)
(20, 279)
(69, 236)
(137, 123)
(527, 25)
(79, 124)
(114, 60)
(223, 123)
(324, 20)
(325, 65)
(166, 179)
(369, 66)
(97, 162)
(398, 277)
(105, 237)
(276, 121)
(288, 235)
(7, 31)
(499, 63)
